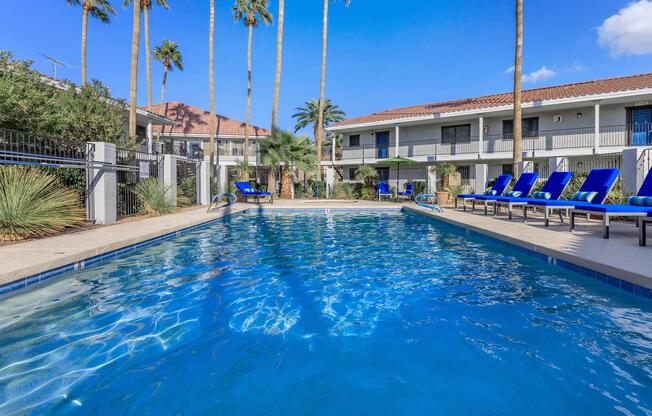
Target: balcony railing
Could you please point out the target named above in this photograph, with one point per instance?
(543, 140)
(181, 148)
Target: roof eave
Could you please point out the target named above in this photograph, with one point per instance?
(485, 110)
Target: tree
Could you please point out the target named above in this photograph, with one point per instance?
(251, 12)
(322, 82)
(169, 55)
(133, 83)
(100, 10)
(279, 59)
(518, 68)
(242, 170)
(367, 174)
(290, 152)
(145, 6)
(211, 88)
(308, 115)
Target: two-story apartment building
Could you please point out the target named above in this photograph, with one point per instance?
(190, 136)
(564, 125)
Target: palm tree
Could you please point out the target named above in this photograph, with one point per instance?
(322, 104)
(308, 115)
(242, 170)
(367, 174)
(251, 12)
(133, 83)
(145, 5)
(279, 59)
(169, 55)
(99, 9)
(211, 88)
(518, 64)
(291, 152)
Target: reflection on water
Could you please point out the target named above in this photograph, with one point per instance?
(276, 311)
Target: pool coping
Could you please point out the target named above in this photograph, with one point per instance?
(620, 278)
(627, 280)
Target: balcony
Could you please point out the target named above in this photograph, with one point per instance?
(181, 148)
(501, 145)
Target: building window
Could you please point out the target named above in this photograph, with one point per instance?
(352, 174)
(529, 127)
(465, 172)
(354, 140)
(508, 169)
(383, 174)
(456, 134)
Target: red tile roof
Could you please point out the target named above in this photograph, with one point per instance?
(601, 86)
(192, 120)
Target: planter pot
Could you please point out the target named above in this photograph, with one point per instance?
(442, 197)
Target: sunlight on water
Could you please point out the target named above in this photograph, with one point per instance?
(315, 313)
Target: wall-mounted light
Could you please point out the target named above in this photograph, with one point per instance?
(485, 129)
(556, 118)
(579, 115)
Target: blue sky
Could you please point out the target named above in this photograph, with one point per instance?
(382, 53)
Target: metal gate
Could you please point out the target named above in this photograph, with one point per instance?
(187, 185)
(133, 166)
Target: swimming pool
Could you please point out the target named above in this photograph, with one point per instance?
(314, 312)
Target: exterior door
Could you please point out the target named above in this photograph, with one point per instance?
(382, 145)
(641, 126)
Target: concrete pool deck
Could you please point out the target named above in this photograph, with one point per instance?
(620, 256)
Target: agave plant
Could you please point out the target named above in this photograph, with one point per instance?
(151, 193)
(34, 204)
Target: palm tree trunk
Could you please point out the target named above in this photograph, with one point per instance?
(286, 191)
(211, 89)
(518, 63)
(83, 42)
(148, 68)
(165, 79)
(248, 117)
(133, 84)
(279, 59)
(271, 179)
(319, 137)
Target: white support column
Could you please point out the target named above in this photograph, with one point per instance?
(557, 164)
(150, 138)
(170, 178)
(333, 147)
(432, 179)
(480, 136)
(396, 140)
(481, 171)
(103, 186)
(222, 180)
(633, 169)
(204, 181)
(596, 124)
(330, 180)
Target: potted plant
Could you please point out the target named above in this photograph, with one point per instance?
(444, 170)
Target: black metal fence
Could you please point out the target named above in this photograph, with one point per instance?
(133, 166)
(66, 159)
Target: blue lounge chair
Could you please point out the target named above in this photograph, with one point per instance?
(408, 193)
(499, 187)
(523, 186)
(607, 211)
(383, 190)
(597, 185)
(552, 190)
(249, 191)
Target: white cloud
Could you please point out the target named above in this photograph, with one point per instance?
(540, 74)
(629, 32)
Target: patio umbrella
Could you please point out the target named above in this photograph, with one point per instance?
(398, 161)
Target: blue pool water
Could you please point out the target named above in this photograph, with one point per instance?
(325, 313)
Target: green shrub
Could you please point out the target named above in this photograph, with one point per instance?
(34, 204)
(151, 194)
(187, 187)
